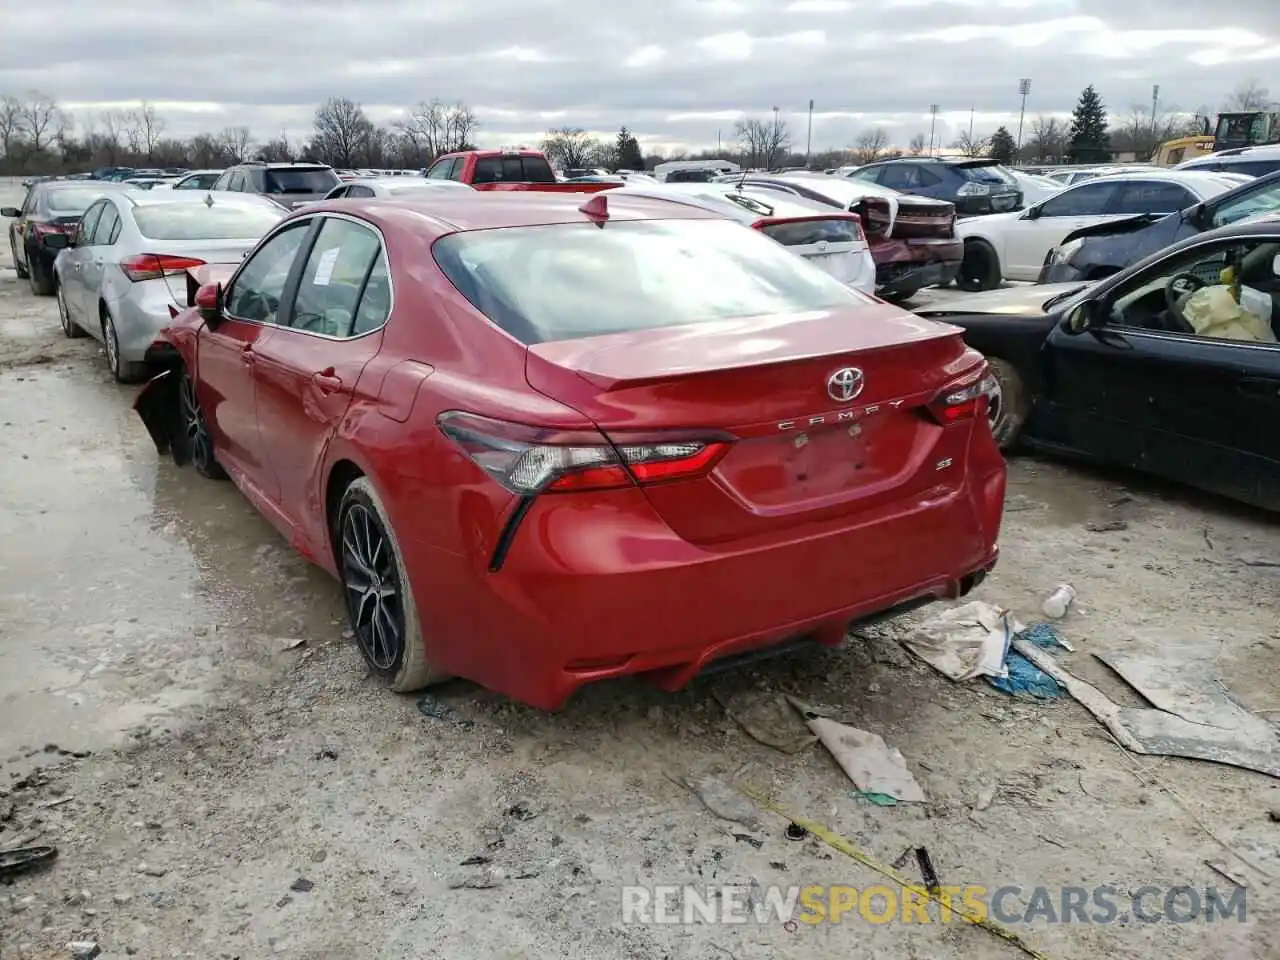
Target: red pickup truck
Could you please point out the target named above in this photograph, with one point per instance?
(505, 170)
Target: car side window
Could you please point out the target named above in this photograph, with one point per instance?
(84, 232)
(256, 290)
(333, 278)
(1224, 291)
(441, 169)
(107, 228)
(1151, 196)
(1264, 200)
(1090, 200)
(337, 193)
(359, 191)
(223, 181)
(869, 174)
(900, 176)
(375, 301)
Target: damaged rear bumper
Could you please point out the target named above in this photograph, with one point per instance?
(158, 408)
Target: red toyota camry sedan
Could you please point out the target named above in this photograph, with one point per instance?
(548, 439)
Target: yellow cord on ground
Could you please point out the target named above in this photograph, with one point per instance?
(837, 842)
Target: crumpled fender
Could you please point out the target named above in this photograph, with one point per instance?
(157, 404)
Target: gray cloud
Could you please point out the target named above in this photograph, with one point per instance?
(534, 63)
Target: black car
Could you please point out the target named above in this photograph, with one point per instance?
(52, 209)
(288, 184)
(976, 185)
(1105, 248)
(1171, 366)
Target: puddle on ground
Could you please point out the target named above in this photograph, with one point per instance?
(128, 587)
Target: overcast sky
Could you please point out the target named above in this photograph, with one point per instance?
(674, 71)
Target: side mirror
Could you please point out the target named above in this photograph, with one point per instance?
(209, 302)
(1196, 215)
(10, 212)
(57, 241)
(1031, 213)
(1082, 318)
(1275, 265)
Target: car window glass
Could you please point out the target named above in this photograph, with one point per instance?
(1152, 196)
(255, 292)
(107, 227)
(869, 174)
(359, 192)
(375, 302)
(1264, 200)
(441, 169)
(87, 223)
(335, 271)
(29, 201)
(927, 177)
(1089, 200)
(900, 176)
(1229, 291)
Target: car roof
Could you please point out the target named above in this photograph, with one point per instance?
(718, 197)
(450, 211)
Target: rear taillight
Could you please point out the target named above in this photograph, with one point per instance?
(45, 229)
(531, 460)
(153, 266)
(966, 399)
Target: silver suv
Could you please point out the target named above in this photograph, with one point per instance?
(288, 184)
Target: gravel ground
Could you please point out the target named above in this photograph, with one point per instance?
(217, 791)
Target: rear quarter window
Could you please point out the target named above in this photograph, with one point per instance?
(567, 281)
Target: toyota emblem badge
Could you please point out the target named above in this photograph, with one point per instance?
(845, 384)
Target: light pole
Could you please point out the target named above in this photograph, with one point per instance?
(933, 123)
(773, 140)
(1024, 88)
(1155, 103)
(808, 140)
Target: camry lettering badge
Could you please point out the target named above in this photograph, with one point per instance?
(845, 384)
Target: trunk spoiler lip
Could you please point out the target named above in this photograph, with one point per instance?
(594, 358)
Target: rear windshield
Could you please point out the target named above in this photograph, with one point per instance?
(795, 233)
(195, 221)
(301, 180)
(988, 174)
(72, 201)
(513, 170)
(566, 281)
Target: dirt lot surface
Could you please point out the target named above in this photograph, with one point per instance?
(217, 791)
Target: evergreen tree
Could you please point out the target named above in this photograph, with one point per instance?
(627, 153)
(1090, 142)
(1003, 146)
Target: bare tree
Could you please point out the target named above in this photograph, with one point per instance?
(342, 132)
(870, 144)
(152, 125)
(279, 150)
(236, 142)
(916, 147)
(1141, 135)
(1248, 95)
(435, 127)
(1050, 138)
(972, 146)
(764, 142)
(41, 120)
(569, 147)
(10, 124)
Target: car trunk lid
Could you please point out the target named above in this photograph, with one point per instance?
(806, 450)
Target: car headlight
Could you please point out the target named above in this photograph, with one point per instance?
(1064, 253)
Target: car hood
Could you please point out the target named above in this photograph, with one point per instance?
(1025, 300)
(1112, 228)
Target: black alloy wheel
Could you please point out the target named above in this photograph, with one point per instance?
(197, 443)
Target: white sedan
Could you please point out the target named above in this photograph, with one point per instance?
(1013, 246)
(369, 187)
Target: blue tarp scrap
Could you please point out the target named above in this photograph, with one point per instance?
(1025, 679)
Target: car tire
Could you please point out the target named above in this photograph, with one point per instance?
(1009, 411)
(900, 296)
(125, 371)
(375, 585)
(70, 328)
(18, 268)
(41, 285)
(196, 441)
(980, 269)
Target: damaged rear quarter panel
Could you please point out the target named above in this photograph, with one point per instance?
(1019, 340)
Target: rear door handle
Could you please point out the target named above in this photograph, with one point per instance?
(327, 381)
(1260, 387)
